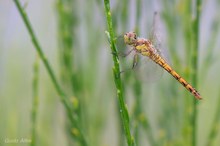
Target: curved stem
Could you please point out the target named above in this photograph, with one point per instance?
(116, 72)
(195, 45)
(60, 92)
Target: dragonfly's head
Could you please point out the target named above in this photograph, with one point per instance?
(130, 38)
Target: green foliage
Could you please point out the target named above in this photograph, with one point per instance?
(116, 72)
(104, 106)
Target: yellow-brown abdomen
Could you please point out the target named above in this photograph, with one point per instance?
(159, 60)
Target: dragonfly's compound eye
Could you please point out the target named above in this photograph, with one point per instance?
(130, 38)
(135, 36)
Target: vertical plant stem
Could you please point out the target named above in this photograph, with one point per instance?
(117, 77)
(215, 125)
(137, 110)
(35, 85)
(65, 38)
(60, 92)
(187, 30)
(121, 13)
(148, 129)
(195, 45)
(138, 16)
(66, 23)
(213, 39)
(137, 85)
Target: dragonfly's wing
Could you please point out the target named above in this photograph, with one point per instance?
(155, 33)
(156, 36)
(126, 59)
(146, 70)
(121, 46)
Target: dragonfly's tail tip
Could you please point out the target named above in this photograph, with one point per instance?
(199, 97)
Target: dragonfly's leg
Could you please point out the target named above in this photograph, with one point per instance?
(123, 54)
(123, 71)
(135, 61)
(127, 53)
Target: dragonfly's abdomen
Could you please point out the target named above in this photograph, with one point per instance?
(160, 61)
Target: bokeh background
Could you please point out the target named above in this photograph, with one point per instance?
(72, 36)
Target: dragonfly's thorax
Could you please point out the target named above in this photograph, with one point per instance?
(145, 47)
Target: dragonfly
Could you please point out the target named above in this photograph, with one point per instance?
(145, 47)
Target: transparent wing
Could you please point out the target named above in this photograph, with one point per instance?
(121, 46)
(147, 70)
(155, 33)
(156, 36)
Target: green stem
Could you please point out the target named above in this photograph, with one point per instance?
(35, 101)
(39, 50)
(147, 128)
(215, 125)
(137, 85)
(195, 45)
(213, 39)
(137, 110)
(60, 92)
(70, 77)
(117, 78)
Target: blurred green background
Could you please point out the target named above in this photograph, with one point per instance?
(72, 36)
